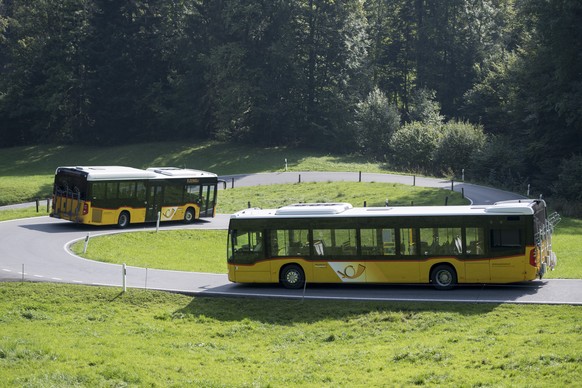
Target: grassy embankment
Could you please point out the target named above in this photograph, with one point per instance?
(27, 173)
(64, 335)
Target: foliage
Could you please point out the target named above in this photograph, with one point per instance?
(412, 146)
(292, 72)
(499, 163)
(568, 187)
(425, 108)
(376, 121)
(458, 142)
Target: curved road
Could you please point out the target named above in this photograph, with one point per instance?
(35, 249)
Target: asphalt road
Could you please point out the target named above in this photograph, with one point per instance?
(35, 249)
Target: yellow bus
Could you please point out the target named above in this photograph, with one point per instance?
(117, 195)
(505, 242)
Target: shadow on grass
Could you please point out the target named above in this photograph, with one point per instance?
(287, 311)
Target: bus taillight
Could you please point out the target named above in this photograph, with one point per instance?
(532, 257)
(85, 208)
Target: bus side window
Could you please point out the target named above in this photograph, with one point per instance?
(505, 238)
(126, 190)
(408, 244)
(475, 238)
(140, 191)
(376, 242)
(173, 195)
(98, 190)
(193, 193)
(293, 242)
(248, 246)
(338, 242)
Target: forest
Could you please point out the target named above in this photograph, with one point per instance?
(491, 87)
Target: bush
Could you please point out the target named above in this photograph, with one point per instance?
(500, 163)
(413, 145)
(569, 183)
(459, 142)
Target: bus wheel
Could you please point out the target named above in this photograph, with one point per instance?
(123, 220)
(189, 216)
(292, 276)
(443, 277)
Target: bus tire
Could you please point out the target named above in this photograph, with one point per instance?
(292, 276)
(443, 277)
(189, 216)
(123, 220)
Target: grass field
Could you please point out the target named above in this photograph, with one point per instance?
(63, 335)
(27, 173)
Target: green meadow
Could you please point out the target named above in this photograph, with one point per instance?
(57, 335)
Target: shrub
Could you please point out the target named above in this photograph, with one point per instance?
(413, 144)
(569, 183)
(457, 145)
(500, 163)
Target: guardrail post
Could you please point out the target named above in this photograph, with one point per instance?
(360, 177)
(158, 222)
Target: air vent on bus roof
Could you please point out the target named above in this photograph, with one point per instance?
(307, 209)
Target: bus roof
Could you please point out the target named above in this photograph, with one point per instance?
(335, 210)
(181, 172)
(101, 173)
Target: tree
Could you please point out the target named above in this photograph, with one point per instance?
(376, 121)
(425, 108)
(43, 75)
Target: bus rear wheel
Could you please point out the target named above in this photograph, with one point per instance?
(443, 277)
(123, 220)
(292, 276)
(189, 216)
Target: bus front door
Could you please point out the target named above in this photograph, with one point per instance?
(207, 201)
(153, 202)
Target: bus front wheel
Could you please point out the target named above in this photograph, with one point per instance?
(443, 277)
(292, 276)
(189, 216)
(123, 220)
